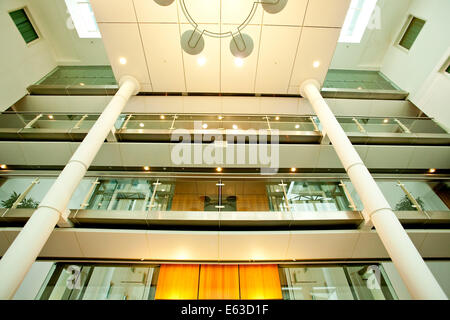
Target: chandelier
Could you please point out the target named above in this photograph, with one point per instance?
(241, 44)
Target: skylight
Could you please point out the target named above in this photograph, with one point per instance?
(83, 18)
(358, 17)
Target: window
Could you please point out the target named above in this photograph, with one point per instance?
(357, 20)
(83, 18)
(24, 25)
(415, 25)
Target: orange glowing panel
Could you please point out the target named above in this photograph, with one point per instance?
(177, 282)
(259, 282)
(218, 282)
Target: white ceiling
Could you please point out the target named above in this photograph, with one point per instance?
(285, 44)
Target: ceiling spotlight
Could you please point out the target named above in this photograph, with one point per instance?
(162, 117)
(235, 127)
(359, 88)
(205, 126)
(316, 64)
(201, 61)
(432, 170)
(146, 168)
(3, 166)
(220, 117)
(50, 117)
(386, 120)
(277, 190)
(141, 125)
(123, 60)
(297, 126)
(277, 118)
(293, 169)
(81, 83)
(239, 62)
(219, 169)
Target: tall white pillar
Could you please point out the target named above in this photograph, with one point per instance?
(412, 268)
(26, 247)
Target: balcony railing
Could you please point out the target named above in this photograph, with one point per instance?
(161, 127)
(226, 202)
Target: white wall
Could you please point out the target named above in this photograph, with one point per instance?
(416, 70)
(20, 64)
(68, 47)
(369, 53)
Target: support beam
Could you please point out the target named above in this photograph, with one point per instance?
(412, 268)
(29, 242)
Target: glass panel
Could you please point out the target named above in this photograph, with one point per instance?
(386, 125)
(11, 189)
(121, 194)
(276, 194)
(422, 126)
(348, 124)
(56, 121)
(84, 282)
(395, 196)
(370, 283)
(357, 80)
(335, 283)
(244, 195)
(79, 75)
(148, 122)
(425, 195)
(291, 123)
(12, 120)
(316, 196)
(412, 32)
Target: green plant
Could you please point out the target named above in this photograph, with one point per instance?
(26, 203)
(406, 205)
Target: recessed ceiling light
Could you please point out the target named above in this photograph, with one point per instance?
(201, 61)
(141, 125)
(297, 126)
(239, 62)
(146, 168)
(386, 120)
(162, 117)
(3, 166)
(123, 60)
(235, 127)
(316, 64)
(219, 169)
(220, 117)
(50, 117)
(277, 190)
(293, 169)
(359, 88)
(432, 170)
(205, 126)
(277, 118)
(81, 83)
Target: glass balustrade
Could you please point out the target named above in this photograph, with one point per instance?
(206, 194)
(87, 281)
(26, 123)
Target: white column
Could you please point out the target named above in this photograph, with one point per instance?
(26, 247)
(412, 268)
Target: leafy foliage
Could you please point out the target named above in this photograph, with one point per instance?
(406, 205)
(26, 203)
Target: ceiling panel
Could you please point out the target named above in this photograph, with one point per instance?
(292, 15)
(123, 40)
(316, 44)
(120, 11)
(203, 78)
(164, 57)
(237, 11)
(155, 59)
(326, 13)
(239, 79)
(276, 58)
(150, 11)
(201, 11)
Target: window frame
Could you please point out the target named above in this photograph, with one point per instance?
(33, 24)
(405, 28)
